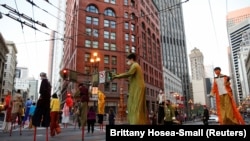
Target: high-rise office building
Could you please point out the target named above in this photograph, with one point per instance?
(238, 23)
(173, 42)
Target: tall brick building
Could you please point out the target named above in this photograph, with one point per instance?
(113, 29)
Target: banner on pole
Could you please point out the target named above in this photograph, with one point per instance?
(102, 76)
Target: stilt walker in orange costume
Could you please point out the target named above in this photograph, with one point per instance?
(226, 107)
(101, 104)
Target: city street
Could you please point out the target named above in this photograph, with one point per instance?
(67, 134)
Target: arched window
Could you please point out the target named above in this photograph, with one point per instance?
(92, 8)
(132, 16)
(154, 37)
(143, 25)
(149, 32)
(109, 12)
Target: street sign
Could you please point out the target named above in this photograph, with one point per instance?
(102, 76)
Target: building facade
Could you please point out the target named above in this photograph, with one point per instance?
(3, 52)
(22, 82)
(173, 43)
(9, 68)
(57, 50)
(112, 29)
(198, 77)
(235, 38)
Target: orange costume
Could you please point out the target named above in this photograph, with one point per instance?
(226, 107)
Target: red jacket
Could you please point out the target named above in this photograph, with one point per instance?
(69, 102)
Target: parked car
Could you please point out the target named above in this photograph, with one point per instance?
(213, 118)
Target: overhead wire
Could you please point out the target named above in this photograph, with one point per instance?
(212, 18)
(23, 35)
(33, 16)
(127, 20)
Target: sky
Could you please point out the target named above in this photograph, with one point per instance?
(32, 45)
(205, 29)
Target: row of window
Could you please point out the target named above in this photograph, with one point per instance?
(107, 12)
(106, 59)
(108, 46)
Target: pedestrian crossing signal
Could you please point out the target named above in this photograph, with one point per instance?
(108, 76)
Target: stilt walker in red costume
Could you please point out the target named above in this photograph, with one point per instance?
(84, 95)
(226, 107)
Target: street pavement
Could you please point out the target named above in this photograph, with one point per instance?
(68, 134)
(71, 133)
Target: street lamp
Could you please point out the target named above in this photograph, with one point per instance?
(95, 62)
(176, 95)
(95, 77)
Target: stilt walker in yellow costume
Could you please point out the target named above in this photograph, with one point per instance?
(226, 107)
(137, 110)
(101, 105)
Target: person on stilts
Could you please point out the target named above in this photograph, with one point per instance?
(41, 115)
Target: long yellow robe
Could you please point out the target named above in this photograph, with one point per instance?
(137, 110)
(101, 102)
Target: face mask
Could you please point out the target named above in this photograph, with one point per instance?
(129, 63)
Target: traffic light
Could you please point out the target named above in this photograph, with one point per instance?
(69, 75)
(108, 76)
(64, 73)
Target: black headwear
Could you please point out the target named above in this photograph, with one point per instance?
(132, 56)
(217, 68)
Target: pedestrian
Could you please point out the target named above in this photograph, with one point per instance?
(111, 117)
(227, 111)
(65, 115)
(41, 116)
(169, 114)
(31, 113)
(69, 102)
(205, 115)
(7, 113)
(160, 99)
(28, 103)
(91, 119)
(54, 115)
(136, 105)
(17, 108)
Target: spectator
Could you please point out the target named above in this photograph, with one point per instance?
(111, 117)
(54, 115)
(91, 119)
(31, 113)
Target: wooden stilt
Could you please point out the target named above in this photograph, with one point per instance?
(82, 133)
(20, 130)
(47, 134)
(11, 128)
(34, 134)
(75, 125)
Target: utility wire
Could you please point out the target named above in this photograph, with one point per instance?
(33, 16)
(143, 16)
(212, 17)
(23, 34)
(18, 15)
